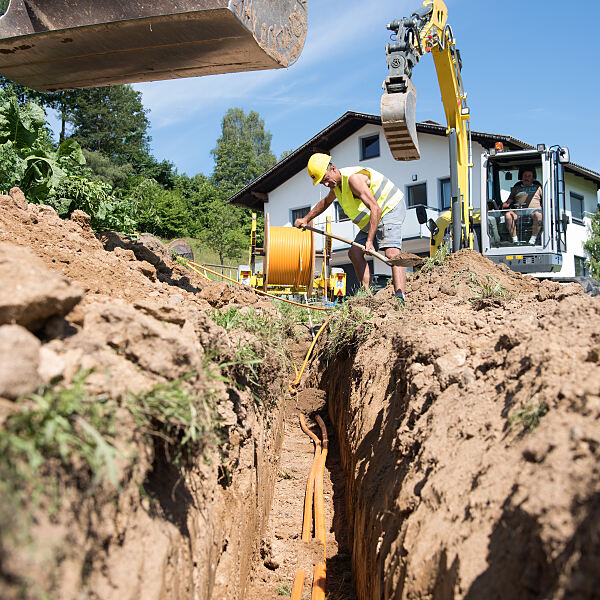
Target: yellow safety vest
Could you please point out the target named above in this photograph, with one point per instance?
(384, 191)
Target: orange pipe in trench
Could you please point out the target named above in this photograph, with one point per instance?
(319, 502)
(318, 587)
(298, 584)
(308, 497)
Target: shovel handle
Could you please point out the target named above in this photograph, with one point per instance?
(381, 257)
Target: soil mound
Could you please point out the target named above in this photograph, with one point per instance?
(468, 426)
(163, 400)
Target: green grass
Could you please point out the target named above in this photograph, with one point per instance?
(187, 421)
(284, 590)
(349, 325)
(488, 288)
(439, 258)
(529, 417)
(63, 437)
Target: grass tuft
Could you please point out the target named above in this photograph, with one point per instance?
(349, 325)
(488, 288)
(438, 259)
(529, 417)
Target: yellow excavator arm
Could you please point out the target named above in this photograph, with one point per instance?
(427, 31)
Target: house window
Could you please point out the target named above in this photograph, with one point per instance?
(298, 213)
(417, 194)
(577, 208)
(445, 193)
(580, 269)
(340, 215)
(369, 147)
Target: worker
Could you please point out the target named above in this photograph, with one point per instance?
(373, 203)
(526, 193)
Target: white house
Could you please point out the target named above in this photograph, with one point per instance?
(285, 191)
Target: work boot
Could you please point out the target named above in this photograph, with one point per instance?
(400, 298)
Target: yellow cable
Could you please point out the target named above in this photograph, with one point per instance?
(299, 377)
(188, 264)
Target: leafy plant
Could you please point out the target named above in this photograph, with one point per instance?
(94, 198)
(530, 416)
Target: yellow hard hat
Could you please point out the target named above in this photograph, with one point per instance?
(317, 166)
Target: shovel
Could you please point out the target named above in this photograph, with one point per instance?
(404, 260)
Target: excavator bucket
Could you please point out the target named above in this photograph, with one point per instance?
(398, 118)
(53, 45)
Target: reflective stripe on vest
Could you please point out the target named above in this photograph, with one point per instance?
(386, 194)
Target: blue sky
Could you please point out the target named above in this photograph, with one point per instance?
(529, 70)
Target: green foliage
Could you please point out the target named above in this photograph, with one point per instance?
(243, 151)
(439, 258)
(111, 120)
(349, 325)
(592, 246)
(284, 590)
(489, 288)
(529, 417)
(223, 230)
(188, 422)
(67, 425)
(101, 168)
(94, 198)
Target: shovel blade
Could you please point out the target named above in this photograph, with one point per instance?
(406, 260)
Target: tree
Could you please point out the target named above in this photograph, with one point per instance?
(243, 151)
(223, 231)
(112, 120)
(592, 246)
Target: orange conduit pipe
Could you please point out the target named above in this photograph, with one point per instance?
(298, 584)
(290, 252)
(319, 503)
(308, 497)
(318, 587)
(190, 265)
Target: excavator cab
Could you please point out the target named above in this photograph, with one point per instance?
(523, 219)
(53, 45)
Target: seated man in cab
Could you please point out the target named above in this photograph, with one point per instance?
(526, 193)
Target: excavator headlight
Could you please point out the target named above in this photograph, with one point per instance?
(540, 147)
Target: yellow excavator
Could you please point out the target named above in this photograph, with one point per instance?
(427, 31)
(53, 45)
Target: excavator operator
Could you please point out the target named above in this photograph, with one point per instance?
(526, 193)
(373, 203)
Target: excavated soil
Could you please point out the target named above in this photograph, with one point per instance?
(464, 431)
(451, 491)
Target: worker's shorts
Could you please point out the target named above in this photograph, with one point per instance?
(389, 230)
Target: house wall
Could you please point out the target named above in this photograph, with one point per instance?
(577, 233)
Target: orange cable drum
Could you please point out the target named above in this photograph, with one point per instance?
(289, 257)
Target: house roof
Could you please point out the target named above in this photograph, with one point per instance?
(255, 194)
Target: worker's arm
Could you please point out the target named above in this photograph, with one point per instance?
(510, 199)
(320, 207)
(359, 184)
